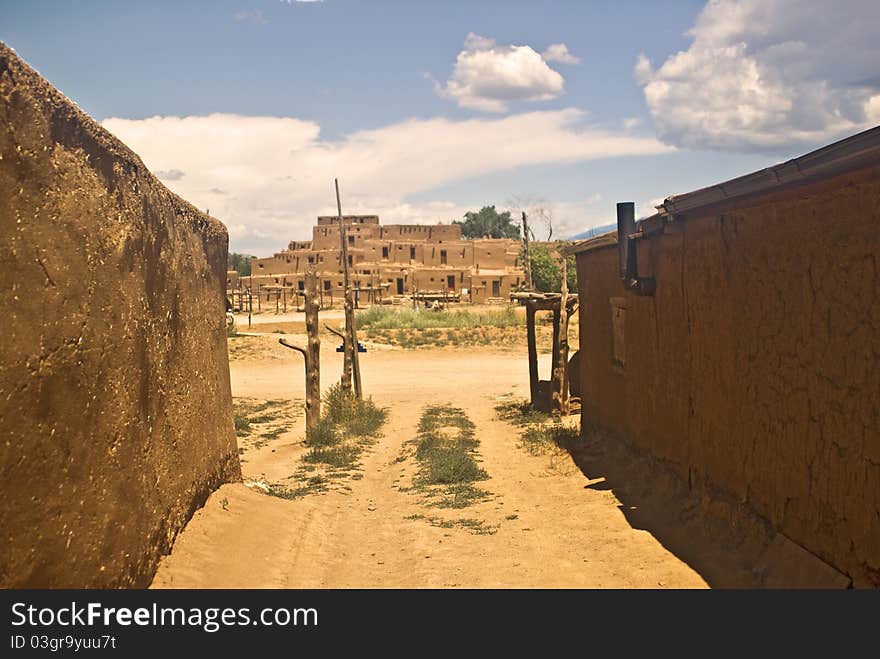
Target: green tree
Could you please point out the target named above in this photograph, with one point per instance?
(488, 222)
(241, 263)
(547, 268)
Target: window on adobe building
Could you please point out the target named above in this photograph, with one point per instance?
(618, 327)
(260, 265)
(301, 285)
(351, 240)
(350, 259)
(442, 256)
(412, 253)
(384, 252)
(311, 260)
(326, 285)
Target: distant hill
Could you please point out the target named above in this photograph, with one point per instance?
(595, 231)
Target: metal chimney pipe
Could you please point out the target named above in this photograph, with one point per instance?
(629, 266)
(626, 225)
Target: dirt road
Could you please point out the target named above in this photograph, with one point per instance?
(543, 525)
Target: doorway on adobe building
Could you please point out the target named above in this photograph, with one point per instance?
(450, 282)
(400, 285)
(496, 288)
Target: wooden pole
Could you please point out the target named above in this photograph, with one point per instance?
(311, 353)
(560, 381)
(313, 376)
(346, 364)
(350, 329)
(533, 352)
(527, 258)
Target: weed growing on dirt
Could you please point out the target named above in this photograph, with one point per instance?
(538, 438)
(475, 526)
(521, 413)
(445, 450)
(336, 442)
(313, 485)
(541, 431)
(247, 413)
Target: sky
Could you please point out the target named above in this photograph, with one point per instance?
(426, 110)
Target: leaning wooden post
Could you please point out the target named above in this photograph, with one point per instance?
(311, 353)
(313, 384)
(346, 363)
(350, 329)
(560, 390)
(533, 351)
(527, 259)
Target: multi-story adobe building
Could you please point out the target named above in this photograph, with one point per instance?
(394, 260)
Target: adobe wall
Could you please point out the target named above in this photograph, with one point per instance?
(754, 370)
(114, 380)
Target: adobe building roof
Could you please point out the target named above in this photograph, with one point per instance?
(855, 152)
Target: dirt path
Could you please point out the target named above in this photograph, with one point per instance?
(541, 527)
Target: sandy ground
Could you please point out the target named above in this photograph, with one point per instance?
(548, 524)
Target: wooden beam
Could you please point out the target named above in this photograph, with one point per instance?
(350, 329)
(311, 353)
(527, 259)
(533, 352)
(560, 347)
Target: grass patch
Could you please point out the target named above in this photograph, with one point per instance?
(390, 318)
(538, 438)
(275, 433)
(246, 413)
(475, 526)
(521, 413)
(541, 430)
(460, 495)
(445, 450)
(338, 439)
(452, 466)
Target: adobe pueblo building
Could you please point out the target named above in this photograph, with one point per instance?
(390, 263)
(733, 334)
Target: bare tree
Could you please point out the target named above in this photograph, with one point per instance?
(538, 209)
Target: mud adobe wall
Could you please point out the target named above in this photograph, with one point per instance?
(754, 369)
(114, 381)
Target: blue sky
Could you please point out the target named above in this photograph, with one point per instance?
(425, 110)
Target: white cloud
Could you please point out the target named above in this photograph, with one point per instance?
(558, 52)
(769, 75)
(277, 173)
(169, 174)
(488, 76)
(256, 17)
